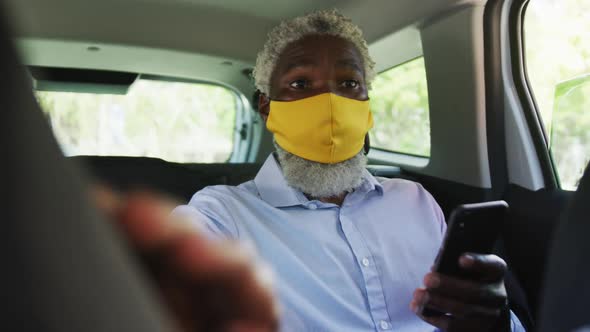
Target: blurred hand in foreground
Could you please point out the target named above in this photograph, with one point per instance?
(206, 285)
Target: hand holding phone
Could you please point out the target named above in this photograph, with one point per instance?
(472, 228)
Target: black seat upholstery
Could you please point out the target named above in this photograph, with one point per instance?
(566, 296)
(527, 232)
(178, 180)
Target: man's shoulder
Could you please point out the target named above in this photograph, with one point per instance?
(224, 192)
(214, 207)
(405, 190)
(412, 196)
(398, 184)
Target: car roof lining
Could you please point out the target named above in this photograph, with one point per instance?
(166, 37)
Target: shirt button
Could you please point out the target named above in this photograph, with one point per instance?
(312, 206)
(365, 262)
(384, 325)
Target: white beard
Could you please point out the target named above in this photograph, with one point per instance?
(320, 180)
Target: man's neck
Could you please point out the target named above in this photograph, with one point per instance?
(334, 199)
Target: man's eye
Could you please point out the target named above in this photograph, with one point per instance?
(351, 84)
(298, 84)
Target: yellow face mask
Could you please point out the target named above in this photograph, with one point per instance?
(326, 128)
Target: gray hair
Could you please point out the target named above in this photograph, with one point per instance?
(323, 22)
(322, 180)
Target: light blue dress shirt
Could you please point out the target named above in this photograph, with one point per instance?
(337, 268)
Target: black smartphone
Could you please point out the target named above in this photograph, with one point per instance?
(472, 228)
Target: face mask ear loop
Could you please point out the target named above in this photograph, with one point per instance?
(367, 146)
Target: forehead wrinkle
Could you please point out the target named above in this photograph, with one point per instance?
(294, 50)
(295, 56)
(305, 53)
(300, 62)
(349, 64)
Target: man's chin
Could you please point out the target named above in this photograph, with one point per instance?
(320, 180)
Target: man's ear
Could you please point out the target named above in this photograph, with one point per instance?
(263, 106)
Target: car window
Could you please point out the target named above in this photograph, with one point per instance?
(399, 102)
(557, 53)
(180, 122)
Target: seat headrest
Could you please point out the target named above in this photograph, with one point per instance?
(66, 268)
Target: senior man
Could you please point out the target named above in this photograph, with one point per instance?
(350, 251)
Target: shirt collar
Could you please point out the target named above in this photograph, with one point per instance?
(370, 183)
(274, 189)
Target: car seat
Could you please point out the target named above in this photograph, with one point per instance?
(64, 267)
(566, 297)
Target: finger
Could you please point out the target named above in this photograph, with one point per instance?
(227, 275)
(456, 308)
(146, 220)
(226, 263)
(196, 255)
(107, 200)
(484, 267)
(246, 327)
(142, 216)
(213, 283)
(441, 322)
(468, 291)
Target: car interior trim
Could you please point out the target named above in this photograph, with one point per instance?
(526, 97)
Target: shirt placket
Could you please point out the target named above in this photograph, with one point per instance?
(369, 271)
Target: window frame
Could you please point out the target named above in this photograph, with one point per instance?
(242, 122)
(386, 157)
(392, 157)
(517, 13)
(243, 131)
